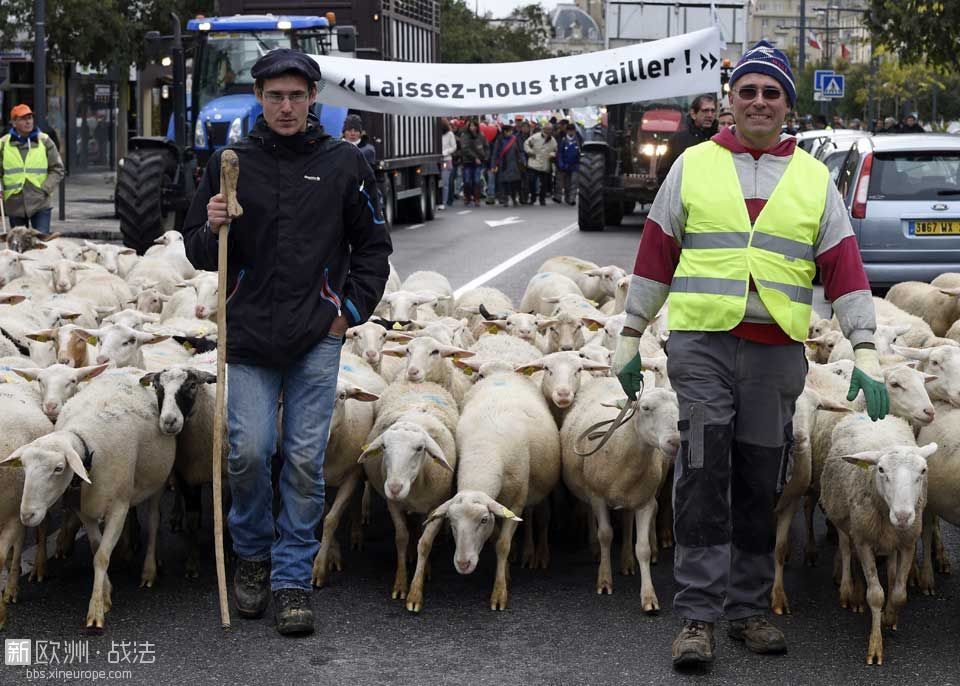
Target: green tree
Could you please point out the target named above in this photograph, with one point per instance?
(467, 38)
(918, 30)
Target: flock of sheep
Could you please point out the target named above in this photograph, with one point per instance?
(465, 411)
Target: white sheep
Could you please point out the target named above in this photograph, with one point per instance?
(597, 283)
(619, 302)
(367, 341)
(119, 345)
(123, 468)
(508, 450)
(942, 362)
(135, 319)
(938, 306)
(108, 256)
(626, 472)
(874, 490)
(156, 273)
(561, 378)
(21, 421)
(920, 335)
(431, 282)
(493, 300)
(428, 359)
(410, 459)
(17, 277)
(57, 383)
(358, 387)
(547, 285)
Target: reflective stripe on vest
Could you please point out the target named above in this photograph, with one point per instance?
(18, 170)
(721, 251)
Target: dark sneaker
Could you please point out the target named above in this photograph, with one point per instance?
(760, 635)
(694, 645)
(292, 611)
(251, 587)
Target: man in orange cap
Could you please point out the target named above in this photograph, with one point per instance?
(32, 168)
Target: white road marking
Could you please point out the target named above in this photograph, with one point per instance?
(516, 259)
(494, 223)
(464, 211)
(415, 226)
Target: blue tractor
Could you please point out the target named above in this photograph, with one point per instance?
(157, 178)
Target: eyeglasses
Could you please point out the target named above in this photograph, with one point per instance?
(708, 110)
(770, 94)
(277, 97)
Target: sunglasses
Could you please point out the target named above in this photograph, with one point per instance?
(770, 94)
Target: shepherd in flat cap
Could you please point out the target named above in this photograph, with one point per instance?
(32, 170)
(731, 243)
(308, 259)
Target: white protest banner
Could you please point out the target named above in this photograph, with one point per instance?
(681, 65)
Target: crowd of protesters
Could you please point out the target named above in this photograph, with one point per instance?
(518, 161)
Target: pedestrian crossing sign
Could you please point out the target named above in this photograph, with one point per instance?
(833, 86)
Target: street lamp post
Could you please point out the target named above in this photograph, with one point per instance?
(39, 64)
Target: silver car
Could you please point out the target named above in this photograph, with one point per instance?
(902, 193)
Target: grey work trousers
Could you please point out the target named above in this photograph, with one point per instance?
(736, 408)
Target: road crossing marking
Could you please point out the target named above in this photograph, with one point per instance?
(464, 211)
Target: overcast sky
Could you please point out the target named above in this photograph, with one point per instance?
(502, 8)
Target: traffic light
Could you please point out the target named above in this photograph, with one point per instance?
(725, 71)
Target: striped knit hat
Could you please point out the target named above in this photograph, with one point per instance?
(763, 58)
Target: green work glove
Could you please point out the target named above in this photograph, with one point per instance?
(868, 378)
(627, 366)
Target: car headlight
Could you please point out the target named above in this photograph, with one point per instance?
(662, 149)
(648, 149)
(236, 131)
(199, 134)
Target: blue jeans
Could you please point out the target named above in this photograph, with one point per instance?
(39, 221)
(309, 388)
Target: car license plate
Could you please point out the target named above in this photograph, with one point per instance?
(934, 228)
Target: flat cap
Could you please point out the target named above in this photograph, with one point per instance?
(284, 60)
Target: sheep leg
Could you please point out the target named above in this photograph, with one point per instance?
(943, 560)
(628, 563)
(810, 549)
(875, 600)
(889, 611)
(898, 585)
(926, 579)
(11, 536)
(366, 503)
(778, 596)
(40, 561)
(323, 563)
(528, 544)
(191, 495)
(402, 536)
(149, 575)
(541, 559)
(68, 535)
(94, 536)
(101, 560)
(424, 546)
(356, 518)
(498, 599)
(646, 517)
(846, 581)
(605, 538)
(179, 505)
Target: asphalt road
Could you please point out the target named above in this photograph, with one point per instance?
(556, 631)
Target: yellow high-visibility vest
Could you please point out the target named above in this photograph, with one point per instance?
(19, 170)
(721, 251)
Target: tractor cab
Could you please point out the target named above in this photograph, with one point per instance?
(227, 48)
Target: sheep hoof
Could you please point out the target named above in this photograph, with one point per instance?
(605, 586)
(651, 608)
(399, 591)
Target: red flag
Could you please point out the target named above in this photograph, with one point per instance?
(812, 40)
(844, 52)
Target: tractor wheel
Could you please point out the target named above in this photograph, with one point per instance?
(139, 197)
(590, 206)
(430, 188)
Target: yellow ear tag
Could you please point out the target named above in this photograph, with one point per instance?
(593, 327)
(493, 329)
(529, 371)
(13, 463)
(364, 447)
(91, 340)
(468, 371)
(865, 466)
(397, 326)
(144, 382)
(508, 514)
(187, 345)
(812, 345)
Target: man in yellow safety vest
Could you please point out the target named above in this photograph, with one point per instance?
(732, 244)
(32, 168)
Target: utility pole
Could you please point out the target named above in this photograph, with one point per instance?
(39, 64)
(803, 34)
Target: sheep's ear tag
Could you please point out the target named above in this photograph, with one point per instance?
(508, 514)
(397, 326)
(91, 340)
(144, 382)
(812, 345)
(468, 371)
(492, 329)
(529, 372)
(865, 466)
(13, 463)
(363, 448)
(593, 326)
(187, 345)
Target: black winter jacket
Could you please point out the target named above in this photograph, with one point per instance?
(680, 141)
(311, 242)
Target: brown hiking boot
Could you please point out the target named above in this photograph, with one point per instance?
(760, 635)
(251, 587)
(293, 613)
(694, 644)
